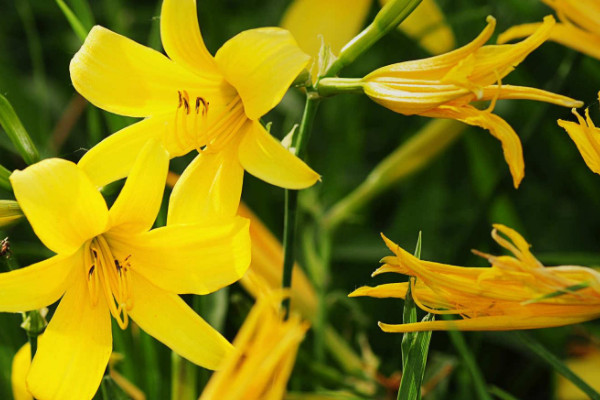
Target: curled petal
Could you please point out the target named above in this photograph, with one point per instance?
(586, 138)
(489, 323)
(511, 144)
(565, 34)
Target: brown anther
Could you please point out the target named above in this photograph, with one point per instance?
(179, 94)
(91, 272)
(5, 247)
(186, 105)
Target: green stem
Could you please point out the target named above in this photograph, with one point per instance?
(183, 378)
(4, 178)
(299, 142)
(458, 340)
(538, 349)
(322, 286)
(390, 16)
(333, 86)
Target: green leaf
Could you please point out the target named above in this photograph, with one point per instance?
(539, 350)
(415, 346)
(4, 178)
(16, 132)
(75, 23)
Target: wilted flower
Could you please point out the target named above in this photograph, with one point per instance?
(444, 86)
(517, 292)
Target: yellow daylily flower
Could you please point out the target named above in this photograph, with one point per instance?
(444, 86)
(586, 137)
(517, 292)
(192, 100)
(579, 26)
(265, 352)
(109, 262)
(336, 22)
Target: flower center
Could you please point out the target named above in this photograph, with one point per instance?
(109, 277)
(194, 128)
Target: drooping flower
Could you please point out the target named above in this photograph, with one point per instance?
(444, 86)
(337, 21)
(517, 292)
(265, 352)
(109, 262)
(579, 26)
(192, 100)
(586, 137)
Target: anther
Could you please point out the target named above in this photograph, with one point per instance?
(179, 94)
(91, 272)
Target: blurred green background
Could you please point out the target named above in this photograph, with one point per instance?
(453, 200)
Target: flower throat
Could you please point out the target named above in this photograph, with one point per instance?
(108, 276)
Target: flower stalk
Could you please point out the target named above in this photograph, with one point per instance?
(299, 143)
(390, 16)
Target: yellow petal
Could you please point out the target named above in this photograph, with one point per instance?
(494, 62)
(157, 312)
(72, 358)
(488, 323)
(61, 204)
(264, 157)
(139, 201)
(395, 290)
(189, 258)
(209, 188)
(181, 37)
(113, 157)
(38, 285)
(526, 93)
(565, 34)
(261, 64)
(333, 22)
(20, 369)
(434, 68)
(122, 76)
(511, 144)
(587, 140)
(427, 25)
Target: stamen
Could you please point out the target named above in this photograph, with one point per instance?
(496, 95)
(110, 276)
